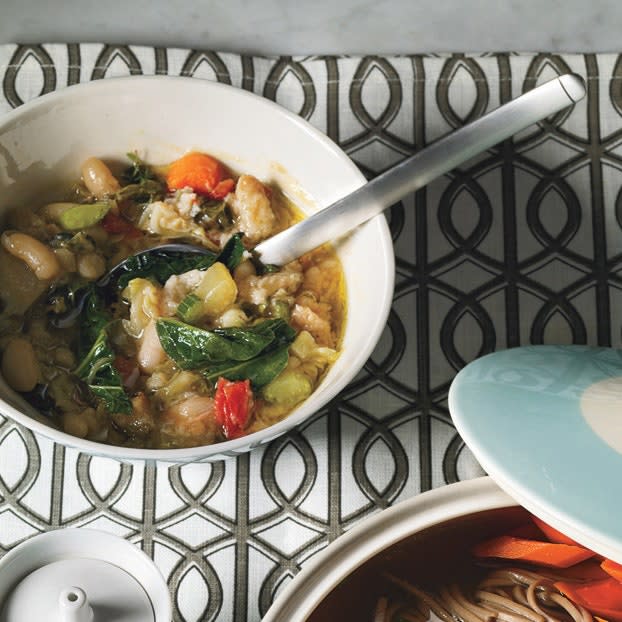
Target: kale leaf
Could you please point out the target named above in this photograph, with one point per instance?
(138, 172)
(143, 185)
(159, 265)
(260, 370)
(145, 192)
(96, 368)
(191, 347)
(258, 353)
(99, 374)
(232, 253)
(94, 317)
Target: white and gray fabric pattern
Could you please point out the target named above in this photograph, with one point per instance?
(521, 245)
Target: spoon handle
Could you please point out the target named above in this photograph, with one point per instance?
(418, 170)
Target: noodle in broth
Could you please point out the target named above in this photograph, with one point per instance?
(504, 594)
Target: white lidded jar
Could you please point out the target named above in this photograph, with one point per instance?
(81, 575)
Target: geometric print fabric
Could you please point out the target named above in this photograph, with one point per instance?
(520, 245)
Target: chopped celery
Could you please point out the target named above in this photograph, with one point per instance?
(217, 290)
(212, 296)
(279, 308)
(80, 216)
(289, 388)
(304, 345)
(191, 309)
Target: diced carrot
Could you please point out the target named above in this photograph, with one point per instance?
(532, 551)
(612, 568)
(201, 172)
(551, 533)
(602, 598)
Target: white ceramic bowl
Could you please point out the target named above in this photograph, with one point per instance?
(422, 533)
(161, 118)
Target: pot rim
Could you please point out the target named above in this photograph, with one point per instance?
(305, 592)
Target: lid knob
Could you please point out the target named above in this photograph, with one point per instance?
(73, 606)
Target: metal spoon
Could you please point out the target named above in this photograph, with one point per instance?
(420, 169)
(372, 198)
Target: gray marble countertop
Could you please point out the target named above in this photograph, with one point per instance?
(322, 27)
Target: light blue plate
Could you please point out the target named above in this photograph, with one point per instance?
(546, 423)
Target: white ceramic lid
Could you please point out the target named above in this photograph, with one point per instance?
(546, 423)
(81, 575)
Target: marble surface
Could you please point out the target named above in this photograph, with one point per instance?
(324, 26)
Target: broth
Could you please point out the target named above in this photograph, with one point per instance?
(431, 557)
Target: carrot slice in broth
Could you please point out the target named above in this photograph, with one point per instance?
(602, 598)
(612, 568)
(532, 551)
(552, 534)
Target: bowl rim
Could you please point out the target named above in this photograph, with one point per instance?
(230, 448)
(374, 534)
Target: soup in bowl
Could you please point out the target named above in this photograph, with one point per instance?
(175, 355)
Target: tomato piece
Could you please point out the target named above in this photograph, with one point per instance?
(233, 404)
(116, 224)
(201, 172)
(222, 189)
(127, 369)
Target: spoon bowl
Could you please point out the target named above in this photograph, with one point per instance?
(172, 250)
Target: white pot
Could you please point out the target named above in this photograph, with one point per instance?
(422, 532)
(161, 117)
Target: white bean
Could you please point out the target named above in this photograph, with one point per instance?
(245, 269)
(232, 317)
(91, 266)
(66, 259)
(75, 424)
(20, 366)
(150, 352)
(64, 357)
(192, 407)
(37, 256)
(98, 179)
(98, 234)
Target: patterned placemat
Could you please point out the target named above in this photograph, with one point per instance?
(520, 246)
